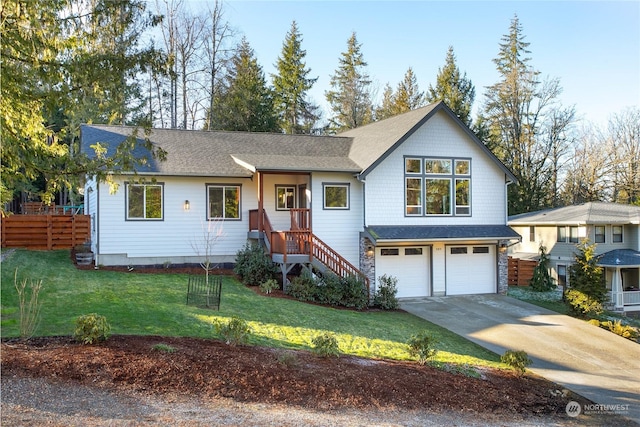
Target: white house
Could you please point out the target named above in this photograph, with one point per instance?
(416, 196)
(614, 228)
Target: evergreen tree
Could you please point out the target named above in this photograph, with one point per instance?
(246, 102)
(62, 66)
(585, 275)
(408, 96)
(387, 107)
(518, 118)
(542, 280)
(350, 97)
(454, 89)
(291, 84)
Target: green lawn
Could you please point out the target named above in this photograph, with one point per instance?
(154, 304)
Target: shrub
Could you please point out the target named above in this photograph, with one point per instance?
(519, 360)
(91, 328)
(165, 348)
(385, 296)
(581, 304)
(235, 331)
(625, 331)
(542, 280)
(330, 290)
(268, 286)
(253, 265)
(28, 292)
(421, 345)
(302, 288)
(325, 345)
(354, 293)
(585, 275)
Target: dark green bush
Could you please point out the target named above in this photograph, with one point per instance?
(354, 293)
(518, 360)
(422, 345)
(542, 280)
(302, 288)
(330, 290)
(325, 345)
(235, 331)
(385, 296)
(581, 304)
(91, 328)
(253, 265)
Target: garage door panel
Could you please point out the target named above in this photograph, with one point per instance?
(410, 266)
(470, 269)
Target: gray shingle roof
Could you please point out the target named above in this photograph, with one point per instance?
(586, 213)
(620, 258)
(203, 153)
(217, 153)
(440, 232)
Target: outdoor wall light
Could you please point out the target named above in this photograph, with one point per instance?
(187, 205)
(369, 250)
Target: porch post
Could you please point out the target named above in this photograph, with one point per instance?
(616, 289)
(260, 203)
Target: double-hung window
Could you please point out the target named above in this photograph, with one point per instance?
(437, 186)
(144, 201)
(616, 231)
(223, 201)
(599, 234)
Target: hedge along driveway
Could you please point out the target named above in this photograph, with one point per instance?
(155, 304)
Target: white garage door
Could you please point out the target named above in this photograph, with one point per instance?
(410, 265)
(471, 269)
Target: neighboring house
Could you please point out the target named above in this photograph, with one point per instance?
(416, 196)
(615, 229)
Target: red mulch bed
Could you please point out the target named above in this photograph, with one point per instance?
(211, 368)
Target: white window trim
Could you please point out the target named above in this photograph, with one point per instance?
(324, 196)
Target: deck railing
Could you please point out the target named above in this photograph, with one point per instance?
(631, 297)
(301, 241)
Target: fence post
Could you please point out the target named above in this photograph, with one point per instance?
(49, 232)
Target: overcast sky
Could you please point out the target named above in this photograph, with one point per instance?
(593, 47)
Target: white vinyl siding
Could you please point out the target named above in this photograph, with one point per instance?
(179, 234)
(338, 228)
(439, 137)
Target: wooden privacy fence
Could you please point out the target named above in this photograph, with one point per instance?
(521, 271)
(45, 231)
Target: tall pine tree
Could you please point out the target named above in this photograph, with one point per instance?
(454, 88)
(246, 102)
(350, 97)
(291, 85)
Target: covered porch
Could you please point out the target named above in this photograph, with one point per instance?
(622, 272)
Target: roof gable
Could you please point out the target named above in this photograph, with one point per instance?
(372, 143)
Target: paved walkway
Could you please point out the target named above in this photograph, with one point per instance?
(588, 360)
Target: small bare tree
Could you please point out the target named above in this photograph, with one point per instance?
(28, 292)
(204, 244)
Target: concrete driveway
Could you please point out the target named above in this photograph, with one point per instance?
(588, 360)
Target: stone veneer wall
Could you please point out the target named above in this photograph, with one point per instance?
(368, 263)
(503, 268)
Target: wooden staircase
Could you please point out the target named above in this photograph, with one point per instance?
(300, 246)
